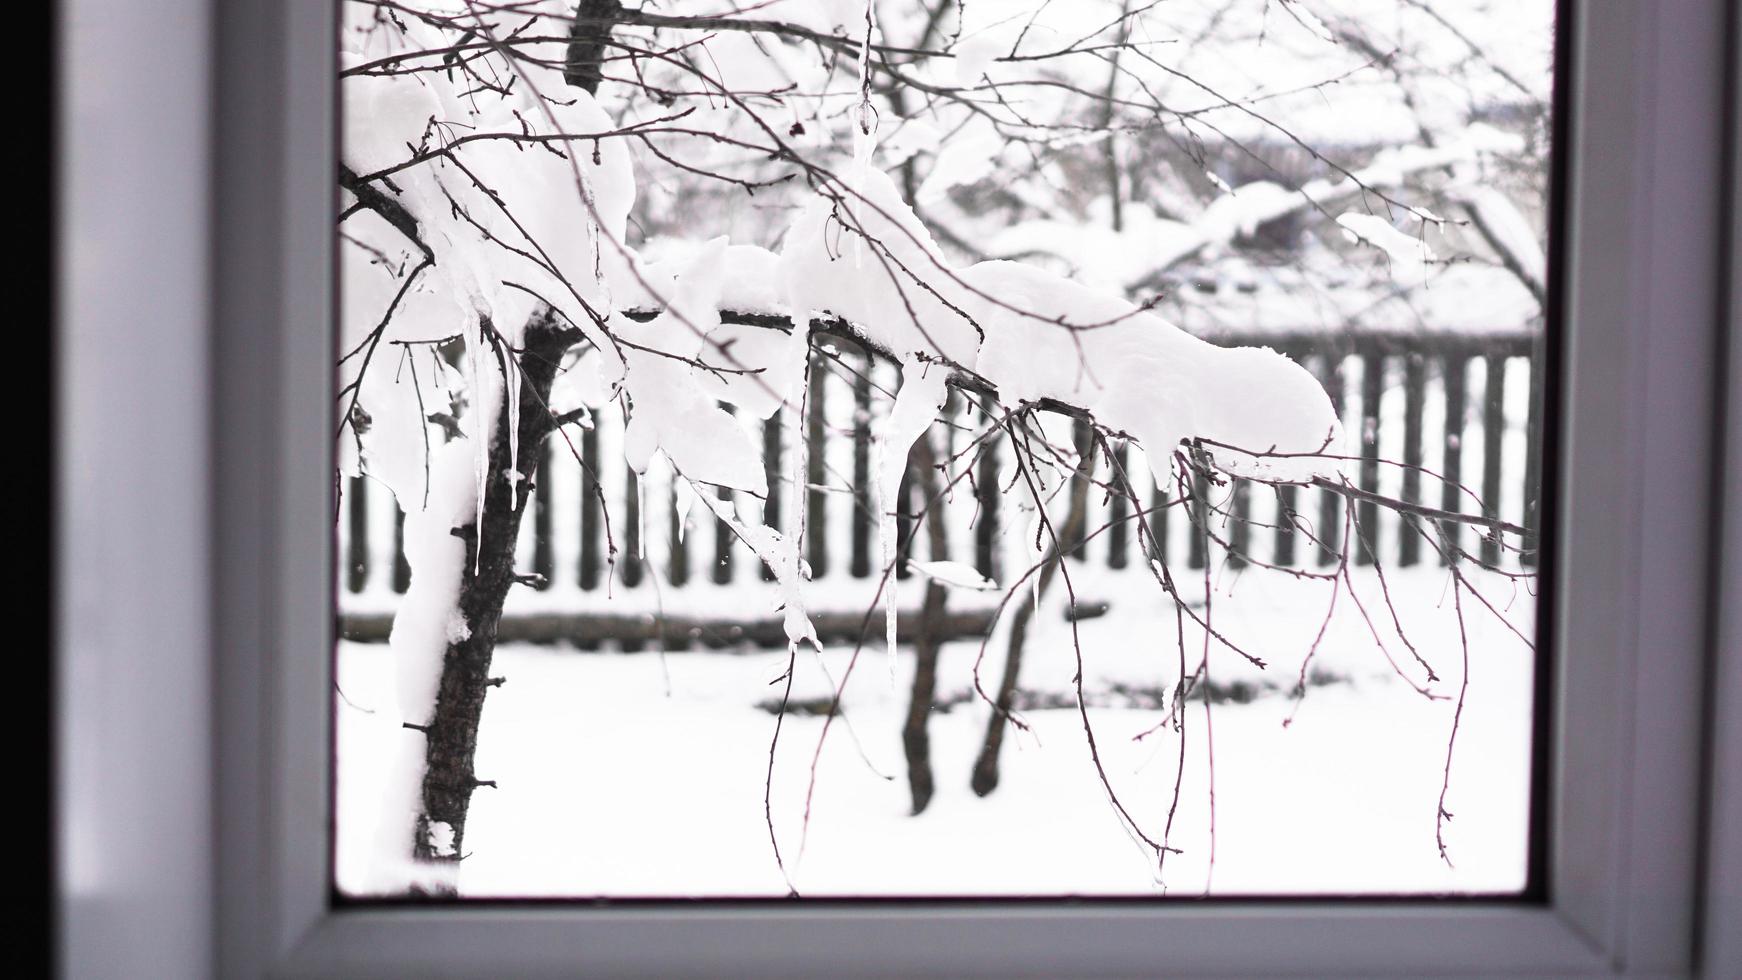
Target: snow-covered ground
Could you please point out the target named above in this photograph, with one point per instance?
(645, 775)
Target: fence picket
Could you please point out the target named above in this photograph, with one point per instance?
(401, 567)
(1159, 512)
(1330, 529)
(1282, 546)
(1532, 496)
(592, 508)
(631, 557)
(1366, 531)
(1081, 439)
(816, 470)
(357, 547)
(678, 555)
(1283, 553)
(986, 513)
(1452, 469)
(859, 559)
(1493, 431)
(1196, 553)
(1118, 508)
(1239, 524)
(772, 474)
(1414, 400)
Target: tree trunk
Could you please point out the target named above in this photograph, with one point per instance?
(915, 741)
(583, 65)
(452, 735)
(449, 778)
(985, 778)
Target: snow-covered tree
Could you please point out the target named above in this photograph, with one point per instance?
(524, 236)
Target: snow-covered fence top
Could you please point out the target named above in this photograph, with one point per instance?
(613, 557)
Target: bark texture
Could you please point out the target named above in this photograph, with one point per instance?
(588, 38)
(449, 779)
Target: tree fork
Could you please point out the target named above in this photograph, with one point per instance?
(452, 734)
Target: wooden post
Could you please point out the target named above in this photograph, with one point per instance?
(357, 524)
(859, 561)
(401, 567)
(1283, 543)
(1158, 517)
(591, 511)
(1367, 512)
(771, 475)
(679, 568)
(1330, 529)
(631, 528)
(1451, 497)
(633, 566)
(986, 520)
(1196, 555)
(1118, 510)
(1082, 437)
(723, 538)
(1239, 524)
(1532, 496)
(1414, 395)
(1493, 432)
(816, 471)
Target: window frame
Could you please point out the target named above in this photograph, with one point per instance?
(1624, 779)
(1645, 717)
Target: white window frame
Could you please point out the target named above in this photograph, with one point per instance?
(194, 604)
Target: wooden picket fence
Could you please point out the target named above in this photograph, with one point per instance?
(612, 557)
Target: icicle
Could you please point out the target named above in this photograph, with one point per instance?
(511, 395)
(684, 497)
(481, 430)
(641, 517)
(780, 554)
(921, 396)
(1034, 580)
(1033, 549)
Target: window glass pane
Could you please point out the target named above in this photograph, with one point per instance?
(1081, 448)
